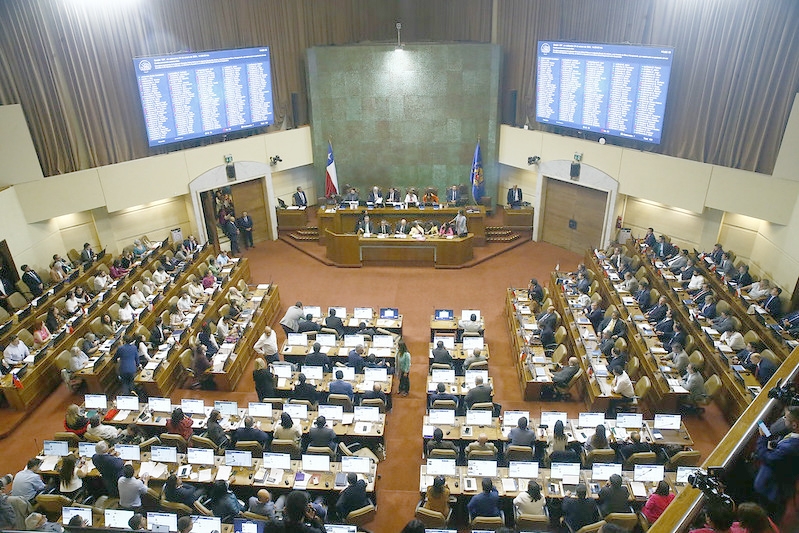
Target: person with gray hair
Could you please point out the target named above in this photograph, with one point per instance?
(13, 509)
(109, 466)
(38, 522)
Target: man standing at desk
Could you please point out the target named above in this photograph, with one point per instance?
(32, 280)
(460, 224)
(299, 199)
(291, 320)
(514, 196)
(779, 466)
(267, 345)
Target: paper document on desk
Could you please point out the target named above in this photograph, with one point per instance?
(223, 472)
(260, 475)
(362, 428)
(121, 415)
(384, 322)
(658, 350)
(709, 330)
(146, 468)
(301, 481)
(49, 462)
(275, 475)
(152, 365)
(262, 286)
(347, 419)
(540, 371)
(508, 484)
(679, 389)
(205, 475)
(427, 431)
(638, 488)
(628, 300)
(539, 359)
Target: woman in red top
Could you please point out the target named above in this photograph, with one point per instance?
(179, 424)
(657, 502)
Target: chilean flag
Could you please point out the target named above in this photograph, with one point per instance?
(331, 179)
(15, 381)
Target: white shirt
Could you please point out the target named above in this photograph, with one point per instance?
(137, 300)
(103, 431)
(222, 259)
(623, 386)
(734, 340)
(411, 198)
(100, 282)
(525, 505)
(126, 313)
(71, 305)
(266, 345)
(130, 491)
(185, 303)
(696, 282)
(160, 277)
(13, 355)
(76, 362)
(757, 292)
(195, 291)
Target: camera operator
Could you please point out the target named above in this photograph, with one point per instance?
(779, 466)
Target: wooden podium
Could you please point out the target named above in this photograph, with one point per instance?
(351, 250)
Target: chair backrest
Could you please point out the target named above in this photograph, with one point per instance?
(684, 458)
(308, 403)
(26, 337)
(430, 518)
(690, 343)
(67, 436)
(697, 359)
(185, 359)
(482, 455)
(575, 379)
(4, 315)
(640, 273)
(479, 365)
(362, 516)
(519, 453)
(202, 509)
(620, 344)
(322, 450)
(181, 509)
(374, 402)
(642, 387)
(173, 439)
(52, 503)
(560, 334)
(712, 386)
(490, 523)
(605, 455)
(442, 453)
(149, 443)
(340, 399)
(251, 446)
(751, 336)
(444, 404)
(16, 300)
(62, 361)
(483, 406)
(626, 520)
(642, 458)
(768, 354)
(532, 522)
(560, 353)
(439, 366)
(592, 528)
(198, 441)
(596, 297)
(286, 446)
(633, 367)
(277, 403)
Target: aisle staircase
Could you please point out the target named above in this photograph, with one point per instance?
(500, 234)
(310, 233)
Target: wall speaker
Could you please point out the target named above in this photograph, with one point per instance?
(509, 108)
(574, 171)
(230, 170)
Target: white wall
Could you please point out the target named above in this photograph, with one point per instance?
(32, 244)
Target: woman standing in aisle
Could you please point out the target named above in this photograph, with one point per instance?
(404, 366)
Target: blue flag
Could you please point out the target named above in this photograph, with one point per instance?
(477, 174)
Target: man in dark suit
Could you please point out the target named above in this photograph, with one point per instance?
(717, 254)
(687, 272)
(402, 227)
(453, 195)
(441, 394)
(480, 393)
(514, 196)
(339, 386)
(762, 368)
(643, 296)
(649, 239)
(547, 317)
(583, 285)
(595, 315)
(773, 304)
(245, 225)
(658, 312)
(606, 343)
(376, 393)
(334, 322)
(617, 359)
(393, 195)
(307, 324)
(375, 196)
(32, 280)
(320, 435)
(743, 278)
(232, 232)
(157, 334)
(441, 354)
(562, 377)
(248, 432)
(614, 496)
(708, 309)
(384, 228)
(663, 250)
(304, 390)
(615, 325)
(355, 359)
(635, 446)
(580, 511)
(365, 225)
(109, 466)
(665, 328)
(299, 198)
(317, 358)
(352, 497)
(723, 322)
(351, 196)
(87, 254)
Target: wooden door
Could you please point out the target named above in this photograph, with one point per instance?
(573, 215)
(249, 196)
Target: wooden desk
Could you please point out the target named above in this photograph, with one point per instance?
(291, 219)
(520, 219)
(526, 345)
(432, 251)
(344, 220)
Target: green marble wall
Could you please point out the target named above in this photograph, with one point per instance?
(407, 117)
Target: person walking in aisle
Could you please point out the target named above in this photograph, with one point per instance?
(404, 366)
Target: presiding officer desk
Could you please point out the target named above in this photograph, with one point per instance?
(348, 249)
(339, 220)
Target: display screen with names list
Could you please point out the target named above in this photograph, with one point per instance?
(200, 94)
(610, 89)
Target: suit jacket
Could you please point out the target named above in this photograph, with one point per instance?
(393, 196)
(612, 500)
(335, 322)
(564, 375)
(583, 285)
(441, 396)
(453, 195)
(579, 512)
(479, 394)
(764, 370)
(307, 325)
(687, 273)
(665, 326)
(245, 223)
(339, 386)
(110, 468)
(619, 329)
(657, 313)
(699, 297)
(373, 197)
(318, 359)
(618, 362)
(305, 391)
(545, 318)
(596, 317)
(643, 297)
(33, 282)
(384, 229)
(627, 450)
(442, 356)
(323, 436)
(743, 280)
(402, 229)
(351, 498)
(299, 198)
(366, 227)
(351, 197)
(717, 256)
(773, 305)
(722, 325)
(515, 196)
(708, 311)
(157, 336)
(244, 433)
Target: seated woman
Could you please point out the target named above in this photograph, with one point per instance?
(126, 313)
(57, 272)
(74, 421)
(117, 270)
(195, 290)
(430, 197)
(108, 327)
(438, 496)
(143, 348)
(531, 501)
(215, 431)
(224, 503)
(417, 230)
(179, 424)
(213, 267)
(148, 287)
(207, 339)
(235, 297)
(71, 304)
(71, 476)
(200, 363)
(54, 320)
(432, 228)
(177, 491)
(288, 429)
(657, 502)
(209, 279)
(77, 360)
(411, 198)
(599, 440)
(184, 302)
(446, 230)
(127, 259)
(138, 248)
(82, 296)
(176, 318)
(40, 335)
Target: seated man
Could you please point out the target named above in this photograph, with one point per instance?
(393, 196)
(708, 309)
(351, 196)
(618, 358)
(485, 503)
(634, 446)
(355, 359)
(630, 284)
(402, 228)
(480, 393)
(677, 262)
(614, 496)
(476, 357)
(15, 353)
(547, 317)
(694, 383)
(515, 196)
(773, 304)
(334, 322)
(307, 324)
(375, 196)
(658, 311)
(623, 387)
(317, 358)
(677, 359)
(562, 377)
(248, 432)
(643, 296)
(742, 278)
(615, 325)
(377, 394)
(442, 394)
(364, 330)
(339, 386)
(364, 226)
(438, 442)
(762, 368)
(723, 322)
(262, 504)
(441, 354)
(481, 444)
(304, 390)
(320, 435)
(579, 511)
(353, 496)
(606, 343)
(384, 228)
(521, 435)
(472, 325)
(595, 314)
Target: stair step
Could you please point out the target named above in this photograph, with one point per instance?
(299, 237)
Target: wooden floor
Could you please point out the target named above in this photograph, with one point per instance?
(416, 292)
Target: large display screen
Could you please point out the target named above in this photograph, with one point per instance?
(199, 94)
(611, 89)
